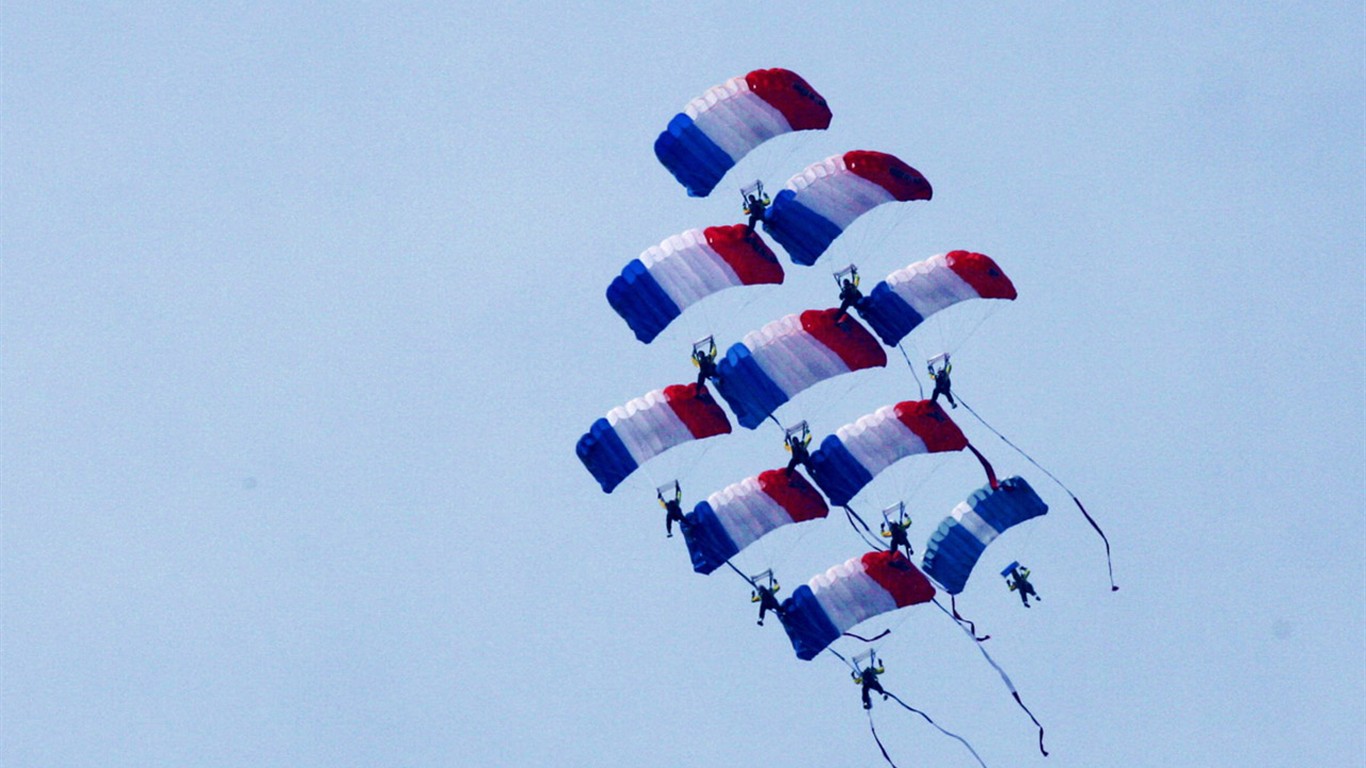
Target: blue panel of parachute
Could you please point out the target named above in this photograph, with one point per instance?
(749, 391)
(605, 455)
(803, 233)
(642, 303)
(953, 550)
(890, 317)
(807, 625)
(708, 543)
(839, 475)
(691, 156)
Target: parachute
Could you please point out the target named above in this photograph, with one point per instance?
(667, 278)
(771, 365)
(822, 201)
(833, 602)
(721, 126)
(849, 459)
(898, 304)
(954, 548)
(737, 516)
(633, 433)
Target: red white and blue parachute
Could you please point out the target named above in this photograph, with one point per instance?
(901, 302)
(849, 459)
(636, 432)
(715, 130)
(955, 547)
(835, 601)
(740, 514)
(822, 201)
(667, 278)
(771, 365)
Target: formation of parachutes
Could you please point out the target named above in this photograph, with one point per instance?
(772, 365)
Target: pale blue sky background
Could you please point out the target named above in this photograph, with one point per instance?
(303, 313)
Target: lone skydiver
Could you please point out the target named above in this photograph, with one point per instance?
(797, 441)
(942, 384)
(868, 679)
(704, 357)
(896, 531)
(764, 596)
(1018, 581)
(850, 295)
(673, 508)
(756, 204)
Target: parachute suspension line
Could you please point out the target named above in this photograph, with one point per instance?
(881, 748)
(914, 375)
(872, 639)
(742, 575)
(991, 473)
(971, 627)
(1109, 563)
(1010, 686)
(937, 727)
(855, 521)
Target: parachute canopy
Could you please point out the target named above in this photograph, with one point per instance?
(954, 548)
(849, 459)
(771, 365)
(898, 304)
(667, 278)
(721, 126)
(833, 602)
(740, 514)
(636, 432)
(822, 201)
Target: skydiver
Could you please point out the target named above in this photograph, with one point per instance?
(896, 531)
(764, 596)
(673, 509)
(756, 205)
(868, 678)
(705, 360)
(797, 445)
(850, 295)
(1018, 581)
(941, 382)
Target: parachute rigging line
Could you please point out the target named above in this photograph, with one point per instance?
(1015, 694)
(971, 627)
(872, 639)
(948, 733)
(852, 516)
(1109, 564)
(907, 357)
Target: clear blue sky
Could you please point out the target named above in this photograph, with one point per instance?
(303, 314)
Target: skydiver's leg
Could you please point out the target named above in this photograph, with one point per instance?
(867, 704)
(949, 395)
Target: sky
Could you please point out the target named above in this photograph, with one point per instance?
(302, 316)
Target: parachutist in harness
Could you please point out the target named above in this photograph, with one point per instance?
(896, 530)
(942, 384)
(850, 295)
(764, 595)
(1017, 579)
(756, 203)
(704, 357)
(798, 438)
(673, 508)
(868, 679)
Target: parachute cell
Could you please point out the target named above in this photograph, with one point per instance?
(954, 547)
(898, 304)
(633, 433)
(849, 459)
(721, 126)
(771, 365)
(667, 278)
(822, 201)
(737, 516)
(835, 601)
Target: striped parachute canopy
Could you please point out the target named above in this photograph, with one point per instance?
(833, 602)
(715, 130)
(667, 278)
(740, 514)
(849, 459)
(770, 366)
(961, 538)
(636, 432)
(822, 201)
(898, 304)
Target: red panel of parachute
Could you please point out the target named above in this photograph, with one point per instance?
(804, 109)
(794, 494)
(887, 171)
(894, 573)
(746, 253)
(697, 409)
(929, 422)
(854, 344)
(980, 272)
